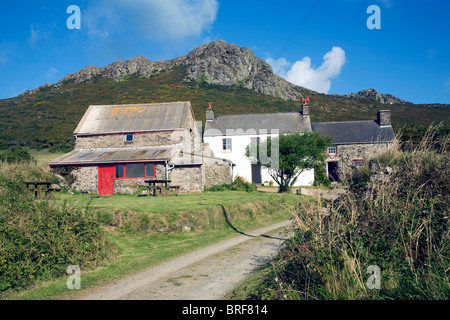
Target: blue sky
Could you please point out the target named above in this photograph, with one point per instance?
(333, 52)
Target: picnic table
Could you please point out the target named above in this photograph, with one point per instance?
(39, 187)
(161, 187)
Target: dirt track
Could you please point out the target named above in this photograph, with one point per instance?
(206, 274)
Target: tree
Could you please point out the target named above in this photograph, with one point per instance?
(296, 153)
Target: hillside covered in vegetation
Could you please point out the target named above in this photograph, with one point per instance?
(218, 72)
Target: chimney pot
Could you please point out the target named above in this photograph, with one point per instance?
(305, 107)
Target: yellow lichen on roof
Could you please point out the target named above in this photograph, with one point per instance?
(125, 111)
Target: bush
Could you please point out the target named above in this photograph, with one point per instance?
(16, 155)
(239, 184)
(39, 240)
(320, 176)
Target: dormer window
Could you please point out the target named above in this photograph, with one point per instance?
(129, 138)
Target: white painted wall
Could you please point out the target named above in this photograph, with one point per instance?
(243, 164)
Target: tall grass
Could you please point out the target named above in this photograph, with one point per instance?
(398, 221)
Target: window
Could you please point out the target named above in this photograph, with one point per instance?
(85, 155)
(332, 150)
(135, 171)
(119, 171)
(226, 146)
(129, 138)
(104, 154)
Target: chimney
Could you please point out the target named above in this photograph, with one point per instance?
(384, 118)
(305, 107)
(209, 113)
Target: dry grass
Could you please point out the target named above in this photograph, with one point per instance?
(397, 221)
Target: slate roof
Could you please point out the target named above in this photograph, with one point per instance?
(285, 122)
(134, 118)
(352, 132)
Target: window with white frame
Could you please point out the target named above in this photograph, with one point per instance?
(226, 144)
(332, 150)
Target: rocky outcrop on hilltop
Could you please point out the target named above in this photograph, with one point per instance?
(226, 64)
(375, 96)
(218, 63)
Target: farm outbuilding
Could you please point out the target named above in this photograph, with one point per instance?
(119, 147)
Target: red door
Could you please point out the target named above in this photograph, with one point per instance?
(106, 180)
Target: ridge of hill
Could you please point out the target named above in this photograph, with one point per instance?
(230, 77)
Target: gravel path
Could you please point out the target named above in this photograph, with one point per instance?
(206, 274)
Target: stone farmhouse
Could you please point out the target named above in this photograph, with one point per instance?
(352, 141)
(118, 147)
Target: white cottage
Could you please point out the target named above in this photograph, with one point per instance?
(229, 135)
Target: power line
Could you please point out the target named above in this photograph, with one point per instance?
(297, 29)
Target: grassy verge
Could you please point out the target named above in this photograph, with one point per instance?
(141, 246)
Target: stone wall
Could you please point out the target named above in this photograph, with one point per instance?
(86, 179)
(347, 153)
(152, 139)
(189, 178)
(216, 172)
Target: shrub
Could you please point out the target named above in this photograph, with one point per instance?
(320, 176)
(16, 155)
(239, 184)
(39, 240)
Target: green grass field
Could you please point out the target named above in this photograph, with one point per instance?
(165, 205)
(140, 249)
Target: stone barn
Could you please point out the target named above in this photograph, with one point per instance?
(118, 147)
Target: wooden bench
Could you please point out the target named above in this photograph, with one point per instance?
(175, 189)
(163, 190)
(161, 187)
(39, 187)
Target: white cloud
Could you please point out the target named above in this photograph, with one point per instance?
(279, 66)
(304, 74)
(153, 19)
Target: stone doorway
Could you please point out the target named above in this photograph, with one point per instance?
(333, 170)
